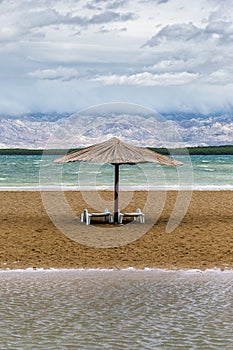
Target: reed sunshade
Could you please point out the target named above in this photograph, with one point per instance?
(116, 152)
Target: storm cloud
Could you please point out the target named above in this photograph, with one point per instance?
(164, 54)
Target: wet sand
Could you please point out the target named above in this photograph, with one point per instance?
(203, 239)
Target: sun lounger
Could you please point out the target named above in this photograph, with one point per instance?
(137, 216)
(86, 216)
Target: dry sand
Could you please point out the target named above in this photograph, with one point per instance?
(204, 238)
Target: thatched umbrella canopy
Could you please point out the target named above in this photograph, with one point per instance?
(116, 152)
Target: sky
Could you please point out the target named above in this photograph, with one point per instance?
(67, 55)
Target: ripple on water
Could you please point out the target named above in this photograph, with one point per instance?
(115, 310)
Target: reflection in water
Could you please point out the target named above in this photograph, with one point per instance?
(93, 309)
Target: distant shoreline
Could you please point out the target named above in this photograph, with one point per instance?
(199, 150)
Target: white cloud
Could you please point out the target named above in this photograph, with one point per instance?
(60, 73)
(221, 77)
(177, 32)
(148, 79)
(18, 22)
(174, 65)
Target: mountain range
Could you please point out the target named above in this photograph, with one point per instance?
(40, 130)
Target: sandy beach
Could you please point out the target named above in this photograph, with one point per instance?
(204, 238)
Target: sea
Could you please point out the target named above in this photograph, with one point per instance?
(36, 172)
(115, 309)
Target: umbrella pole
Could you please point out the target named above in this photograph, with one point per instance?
(116, 190)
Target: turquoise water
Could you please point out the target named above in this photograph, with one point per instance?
(198, 172)
(96, 310)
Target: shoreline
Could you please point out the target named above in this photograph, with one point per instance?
(127, 269)
(203, 240)
(110, 188)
